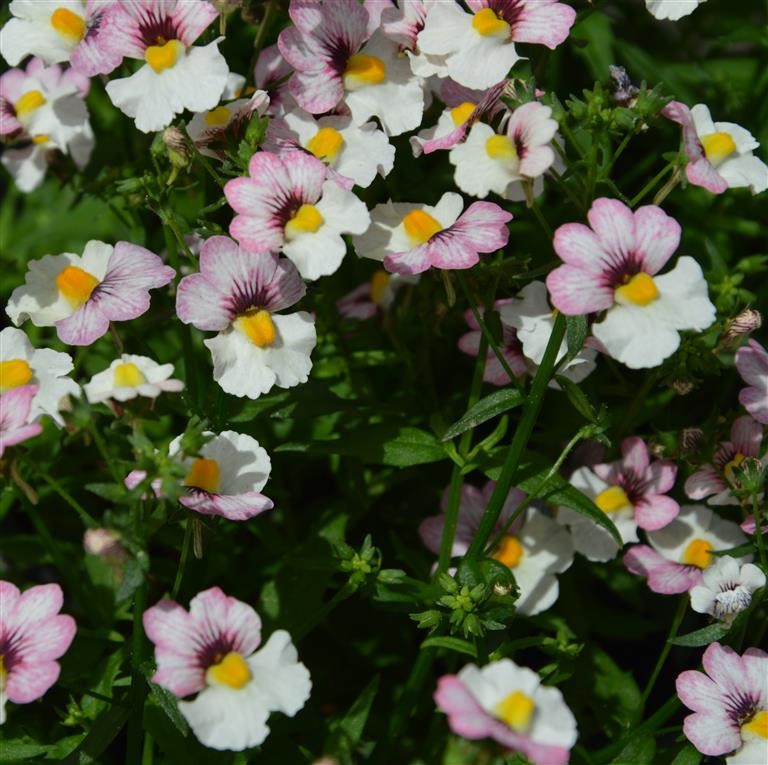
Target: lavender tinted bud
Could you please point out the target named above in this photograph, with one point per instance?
(625, 91)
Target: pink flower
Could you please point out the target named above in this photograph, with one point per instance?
(378, 294)
(15, 408)
(211, 650)
(730, 704)
(613, 266)
(81, 294)
(511, 349)
(271, 68)
(718, 478)
(33, 634)
(752, 363)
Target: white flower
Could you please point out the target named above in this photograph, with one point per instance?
(21, 364)
(131, 376)
(672, 9)
(726, 588)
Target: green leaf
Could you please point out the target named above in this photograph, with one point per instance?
(704, 636)
(576, 329)
(103, 732)
(24, 748)
(452, 644)
(167, 702)
(616, 696)
(349, 729)
(639, 751)
(595, 30)
(577, 397)
(687, 756)
(485, 409)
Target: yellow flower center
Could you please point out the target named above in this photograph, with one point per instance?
(326, 144)
(76, 285)
(363, 70)
(14, 373)
(612, 499)
(698, 553)
(162, 57)
(461, 113)
(487, 23)
(502, 149)
(509, 551)
(379, 283)
(718, 147)
(217, 117)
(516, 710)
(204, 474)
(31, 100)
(257, 325)
(232, 670)
(420, 226)
(128, 375)
(68, 24)
(306, 221)
(42, 138)
(639, 290)
(758, 725)
(738, 458)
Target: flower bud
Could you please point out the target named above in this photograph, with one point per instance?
(744, 324)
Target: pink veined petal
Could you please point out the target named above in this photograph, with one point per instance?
(657, 236)
(655, 511)
(699, 692)
(465, 715)
(661, 476)
(271, 174)
(746, 436)
(86, 325)
(546, 22)
(634, 455)
(431, 532)
(215, 614)
(673, 578)
(9, 597)
(317, 92)
(483, 225)
(238, 507)
(96, 53)
(704, 482)
(578, 246)
(413, 261)
(40, 602)
(469, 343)
(702, 173)
(614, 225)
(495, 373)
(642, 560)
(307, 175)
(752, 363)
(727, 670)
(575, 291)
(712, 734)
(192, 19)
(755, 401)
(16, 404)
(28, 681)
(13, 437)
(44, 639)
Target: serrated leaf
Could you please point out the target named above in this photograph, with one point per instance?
(704, 636)
(576, 328)
(486, 409)
(452, 644)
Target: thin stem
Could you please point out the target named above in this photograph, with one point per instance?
(451, 520)
(208, 167)
(341, 595)
(676, 621)
(665, 190)
(116, 338)
(261, 35)
(148, 755)
(541, 219)
(185, 545)
(619, 151)
(85, 516)
(651, 185)
(759, 533)
(519, 441)
(102, 449)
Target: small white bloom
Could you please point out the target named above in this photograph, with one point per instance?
(672, 9)
(131, 376)
(726, 588)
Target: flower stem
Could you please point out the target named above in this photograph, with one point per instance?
(185, 545)
(651, 185)
(676, 621)
(759, 533)
(520, 440)
(85, 516)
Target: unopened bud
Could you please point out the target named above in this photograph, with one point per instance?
(625, 92)
(681, 385)
(501, 589)
(690, 441)
(745, 323)
(179, 152)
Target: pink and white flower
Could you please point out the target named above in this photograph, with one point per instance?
(487, 161)
(81, 294)
(510, 347)
(719, 153)
(15, 416)
(534, 547)
(58, 31)
(22, 364)
(403, 24)
(613, 267)
(752, 363)
(269, 74)
(237, 294)
(176, 75)
(327, 47)
(726, 589)
(131, 376)
(682, 550)
(479, 47)
(672, 9)
(378, 294)
(287, 204)
(508, 704)
(717, 479)
(730, 704)
(632, 491)
(33, 634)
(410, 238)
(213, 650)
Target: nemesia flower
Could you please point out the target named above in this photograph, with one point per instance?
(534, 547)
(33, 634)
(81, 294)
(403, 25)
(478, 47)
(327, 47)
(131, 376)
(510, 347)
(632, 491)
(682, 550)
(286, 203)
(487, 161)
(107, 545)
(533, 318)
(211, 650)
(176, 75)
(672, 9)
(752, 363)
(15, 420)
(21, 364)
(717, 479)
(730, 704)
(613, 266)
(270, 71)
(354, 153)
(719, 153)
(726, 588)
(237, 294)
(373, 296)
(43, 107)
(509, 704)
(410, 238)
(58, 31)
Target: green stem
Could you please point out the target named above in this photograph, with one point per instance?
(261, 35)
(85, 516)
(676, 621)
(102, 449)
(148, 755)
(619, 151)
(519, 441)
(138, 685)
(185, 545)
(651, 185)
(341, 595)
(759, 533)
(539, 215)
(208, 167)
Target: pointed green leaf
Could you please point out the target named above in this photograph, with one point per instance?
(485, 409)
